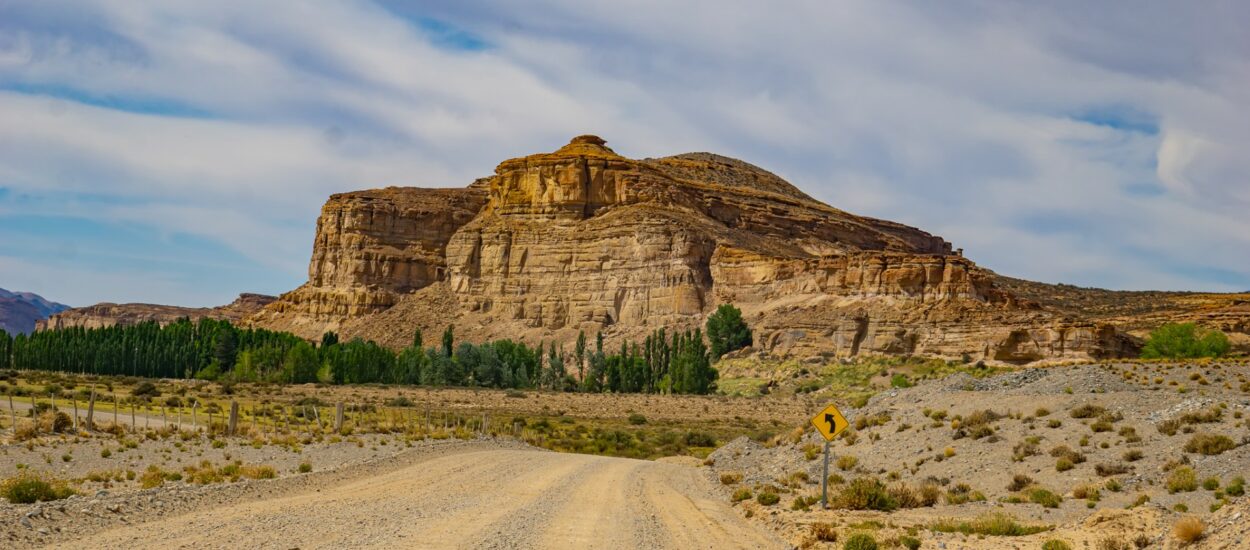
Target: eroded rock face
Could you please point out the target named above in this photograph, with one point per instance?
(110, 314)
(585, 239)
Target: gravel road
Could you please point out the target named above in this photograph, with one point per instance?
(495, 498)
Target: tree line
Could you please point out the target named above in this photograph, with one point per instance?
(207, 349)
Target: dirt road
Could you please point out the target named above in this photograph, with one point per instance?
(473, 499)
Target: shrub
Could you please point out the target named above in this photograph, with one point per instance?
(768, 498)
(1132, 455)
(900, 381)
(1188, 529)
(846, 462)
(1063, 465)
(1182, 479)
(1045, 498)
(1108, 470)
(29, 487)
(865, 493)
(730, 478)
(1236, 487)
(997, 524)
(305, 467)
(1019, 482)
(145, 389)
(1055, 544)
(860, 541)
(1088, 410)
(637, 419)
(742, 494)
(1209, 444)
(824, 532)
(1211, 483)
(1184, 340)
(909, 542)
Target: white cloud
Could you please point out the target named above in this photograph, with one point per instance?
(964, 119)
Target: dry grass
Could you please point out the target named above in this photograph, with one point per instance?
(1188, 529)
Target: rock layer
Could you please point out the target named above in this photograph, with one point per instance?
(585, 239)
(109, 314)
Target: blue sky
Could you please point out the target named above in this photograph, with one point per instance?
(178, 152)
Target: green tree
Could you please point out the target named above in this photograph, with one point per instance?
(579, 353)
(449, 340)
(1184, 341)
(726, 331)
(301, 363)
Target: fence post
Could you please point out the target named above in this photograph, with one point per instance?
(234, 418)
(338, 417)
(91, 410)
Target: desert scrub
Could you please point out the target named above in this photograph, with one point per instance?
(846, 462)
(730, 478)
(742, 494)
(997, 524)
(1182, 479)
(865, 493)
(824, 532)
(1188, 530)
(1209, 444)
(29, 487)
(768, 498)
(1056, 544)
(811, 451)
(305, 467)
(860, 541)
(1044, 497)
(154, 476)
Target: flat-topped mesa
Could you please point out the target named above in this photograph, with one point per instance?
(584, 239)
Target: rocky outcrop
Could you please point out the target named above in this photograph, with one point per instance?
(109, 314)
(584, 239)
(370, 248)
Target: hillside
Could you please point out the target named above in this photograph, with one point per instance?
(19, 311)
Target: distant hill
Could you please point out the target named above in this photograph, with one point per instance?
(19, 311)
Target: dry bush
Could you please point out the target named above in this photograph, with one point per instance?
(1019, 482)
(1209, 444)
(1108, 470)
(730, 478)
(824, 532)
(1088, 410)
(1188, 529)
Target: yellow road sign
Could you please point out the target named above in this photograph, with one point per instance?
(830, 422)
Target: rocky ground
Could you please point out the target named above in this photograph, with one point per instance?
(1114, 454)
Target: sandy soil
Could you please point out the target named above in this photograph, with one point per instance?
(476, 496)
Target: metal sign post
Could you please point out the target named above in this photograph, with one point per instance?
(824, 482)
(829, 422)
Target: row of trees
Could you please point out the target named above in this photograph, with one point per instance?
(208, 349)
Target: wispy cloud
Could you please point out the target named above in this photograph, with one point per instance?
(1064, 142)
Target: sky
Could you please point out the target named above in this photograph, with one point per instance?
(179, 151)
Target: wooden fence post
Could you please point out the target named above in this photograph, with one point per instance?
(234, 418)
(91, 410)
(338, 418)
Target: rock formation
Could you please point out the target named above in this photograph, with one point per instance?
(109, 314)
(585, 239)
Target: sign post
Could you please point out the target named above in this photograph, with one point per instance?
(829, 423)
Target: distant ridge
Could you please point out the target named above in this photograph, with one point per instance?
(20, 311)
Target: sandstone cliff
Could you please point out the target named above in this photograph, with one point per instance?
(585, 239)
(109, 314)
